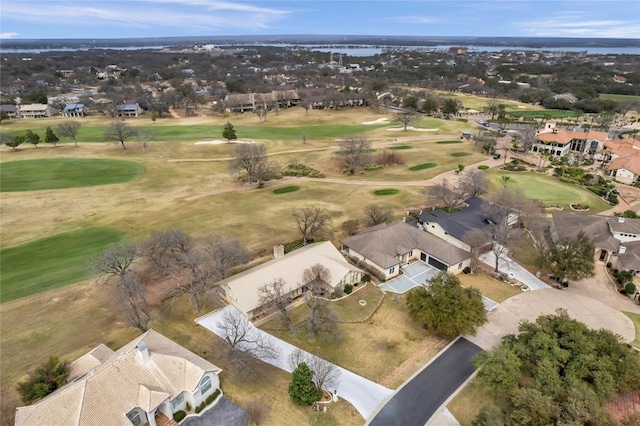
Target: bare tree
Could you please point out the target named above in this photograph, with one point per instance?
(164, 248)
(353, 151)
(245, 343)
(375, 215)
(493, 108)
(257, 411)
(448, 195)
(528, 138)
(275, 294)
(249, 158)
(119, 131)
(8, 405)
(225, 253)
(535, 222)
(145, 137)
(312, 222)
(196, 274)
(69, 129)
(325, 374)
(473, 183)
(406, 118)
(317, 279)
(306, 104)
(131, 298)
(115, 261)
(502, 214)
(322, 321)
(477, 239)
(262, 113)
(220, 107)
(350, 227)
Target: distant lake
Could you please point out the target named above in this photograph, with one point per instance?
(357, 50)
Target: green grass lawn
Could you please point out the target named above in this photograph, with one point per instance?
(51, 262)
(545, 113)
(422, 166)
(636, 322)
(460, 154)
(401, 147)
(285, 189)
(632, 98)
(195, 132)
(55, 173)
(548, 190)
(386, 191)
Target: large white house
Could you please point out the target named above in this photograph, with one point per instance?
(35, 110)
(242, 290)
(559, 142)
(146, 380)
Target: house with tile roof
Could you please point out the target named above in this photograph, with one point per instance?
(624, 164)
(561, 142)
(616, 239)
(242, 290)
(144, 382)
(385, 248)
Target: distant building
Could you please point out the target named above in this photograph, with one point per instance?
(561, 142)
(129, 110)
(11, 110)
(73, 110)
(35, 111)
(458, 50)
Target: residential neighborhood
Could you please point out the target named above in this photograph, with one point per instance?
(282, 228)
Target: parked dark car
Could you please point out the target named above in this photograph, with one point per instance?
(496, 155)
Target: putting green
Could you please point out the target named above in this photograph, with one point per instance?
(51, 262)
(422, 167)
(285, 189)
(56, 173)
(386, 191)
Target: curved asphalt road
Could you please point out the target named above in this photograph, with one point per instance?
(419, 398)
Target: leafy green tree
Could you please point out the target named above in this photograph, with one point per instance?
(229, 133)
(69, 129)
(32, 138)
(44, 380)
(51, 137)
(446, 307)
(12, 142)
(302, 389)
(410, 102)
(572, 258)
(450, 106)
(557, 371)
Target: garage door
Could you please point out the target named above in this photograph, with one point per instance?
(436, 263)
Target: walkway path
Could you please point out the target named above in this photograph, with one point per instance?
(362, 393)
(514, 270)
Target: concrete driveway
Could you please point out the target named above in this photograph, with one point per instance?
(365, 396)
(504, 319)
(514, 269)
(224, 413)
(601, 288)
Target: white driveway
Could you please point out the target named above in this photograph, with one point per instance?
(362, 393)
(513, 269)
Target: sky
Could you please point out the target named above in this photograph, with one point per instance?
(37, 19)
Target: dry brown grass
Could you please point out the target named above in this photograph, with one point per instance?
(489, 286)
(70, 321)
(468, 403)
(375, 348)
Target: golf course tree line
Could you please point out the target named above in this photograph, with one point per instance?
(64, 130)
(555, 371)
(445, 307)
(193, 263)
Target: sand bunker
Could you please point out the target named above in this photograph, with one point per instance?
(401, 129)
(377, 121)
(219, 142)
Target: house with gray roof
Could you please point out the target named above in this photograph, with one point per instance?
(129, 110)
(616, 239)
(142, 383)
(73, 110)
(385, 248)
(11, 110)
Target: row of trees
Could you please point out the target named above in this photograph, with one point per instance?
(68, 129)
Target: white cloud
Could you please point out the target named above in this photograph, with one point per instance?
(4, 36)
(199, 14)
(580, 26)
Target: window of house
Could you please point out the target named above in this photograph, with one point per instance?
(134, 416)
(392, 269)
(411, 253)
(205, 385)
(177, 401)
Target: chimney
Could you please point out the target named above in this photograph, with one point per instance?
(622, 250)
(143, 351)
(278, 251)
(621, 220)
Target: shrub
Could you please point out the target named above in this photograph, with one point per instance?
(609, 265)
(630, 288)
(613, 199)
(464, 120)
(390, 158)
(348, 288)
(372, 166)
(200, 407)
(483, 167)
(179, 415)
(299, 169)
(366, 278)
(213, 396)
